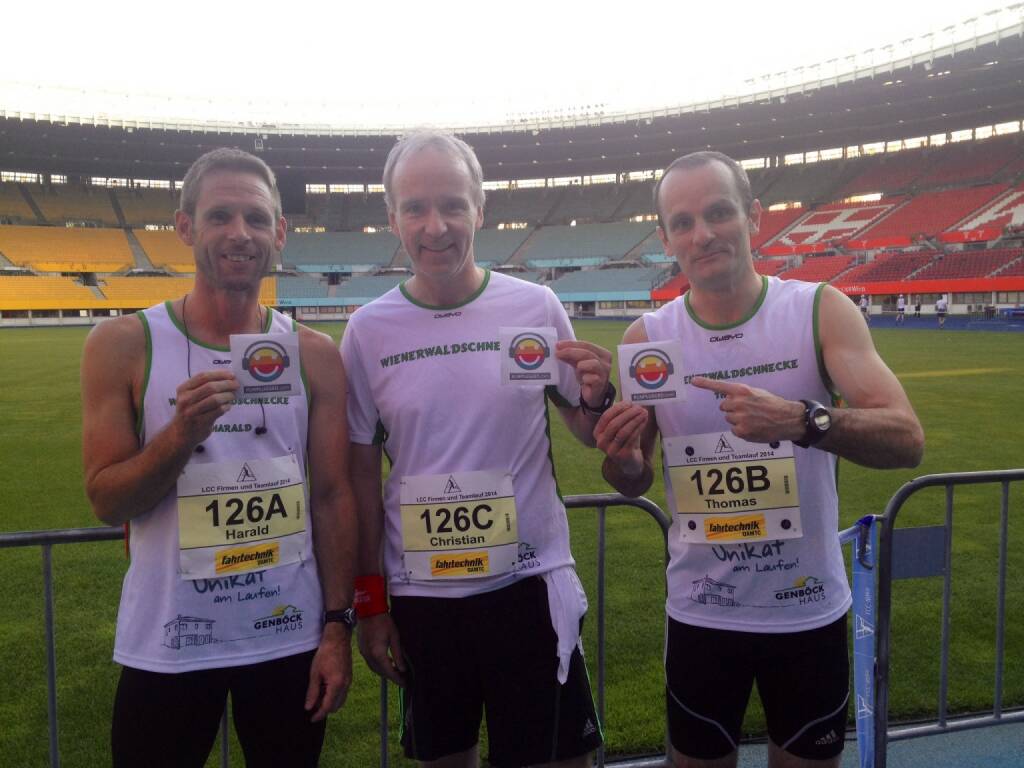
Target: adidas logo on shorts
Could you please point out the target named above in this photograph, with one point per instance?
(589, 728)
(828, 738)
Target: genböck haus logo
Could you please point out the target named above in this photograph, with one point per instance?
(265, 360)
(650, 368)
(529, 351)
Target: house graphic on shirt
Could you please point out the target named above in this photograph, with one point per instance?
(187, 631)
(707, 591)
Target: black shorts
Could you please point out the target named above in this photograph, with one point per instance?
(492, 653)
(172, 719)
(803, 679)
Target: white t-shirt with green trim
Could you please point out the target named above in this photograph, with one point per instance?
(426, 382)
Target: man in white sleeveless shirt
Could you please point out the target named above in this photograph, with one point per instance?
(757, 587)
(240, 517)
(469, 539)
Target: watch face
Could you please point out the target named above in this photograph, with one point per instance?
(822, 419)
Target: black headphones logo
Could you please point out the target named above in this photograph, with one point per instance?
(657, 353)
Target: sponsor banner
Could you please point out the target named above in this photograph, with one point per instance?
(651, 373)
(266, 363)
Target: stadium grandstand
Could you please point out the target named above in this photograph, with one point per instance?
(902, 175)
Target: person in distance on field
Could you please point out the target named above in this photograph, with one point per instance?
(470, 534)
(240, 516)
(757, 588)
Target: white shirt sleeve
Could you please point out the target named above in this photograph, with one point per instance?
(362, 410)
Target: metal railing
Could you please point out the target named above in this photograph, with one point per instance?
(939, 563)
(46, 540)
(897, 548)
(601, 502)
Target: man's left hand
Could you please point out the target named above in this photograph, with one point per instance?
(592, 364)
(330, 675)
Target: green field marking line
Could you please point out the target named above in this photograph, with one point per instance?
(952, 372)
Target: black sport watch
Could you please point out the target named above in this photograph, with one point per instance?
(817, 423)
(346, 616)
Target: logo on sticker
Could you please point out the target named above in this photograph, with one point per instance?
(265, 360)
(650, 368)
(465, 564)
(529, 351)
(735, 527)
(247, 558)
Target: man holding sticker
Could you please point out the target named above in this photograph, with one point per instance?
(756, 582)
(450, 374)
(234, 491)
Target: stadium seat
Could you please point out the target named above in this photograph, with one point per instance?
(66, 249)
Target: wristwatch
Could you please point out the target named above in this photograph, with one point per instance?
(346, 616)
(817, 422)
(609, 398)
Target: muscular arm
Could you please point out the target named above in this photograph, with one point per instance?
(880, 428)
(626, 435)
(122, 478)
(333, 513)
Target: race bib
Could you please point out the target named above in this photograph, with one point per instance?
(726, 490)
(459, 526)
(238, 516)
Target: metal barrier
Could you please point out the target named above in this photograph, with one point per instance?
(600, 502)
(922, 551)
(46, 540)
(927, 551)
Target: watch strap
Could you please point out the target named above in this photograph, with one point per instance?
(346, 616)
(606, 403)
(812, 432)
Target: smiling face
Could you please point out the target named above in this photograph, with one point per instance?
(235, 232)
(435, 215)
(707, 228)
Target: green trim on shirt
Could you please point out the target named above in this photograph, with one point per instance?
(471, 298)
(140, 421)
(826, 380)
(726, 326)
(180, 326)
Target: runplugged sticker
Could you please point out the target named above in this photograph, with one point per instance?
(528, 356)
(266, 363)
(651, 372)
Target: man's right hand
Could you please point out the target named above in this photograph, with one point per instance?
(379, 644)
(618, 434)
(200, 401)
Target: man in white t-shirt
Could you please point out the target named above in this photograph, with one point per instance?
(470, 537)
(756, 582)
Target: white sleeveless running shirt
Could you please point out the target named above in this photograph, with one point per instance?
(168, 623)
(768, 585)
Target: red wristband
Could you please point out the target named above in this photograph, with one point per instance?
(370, 598)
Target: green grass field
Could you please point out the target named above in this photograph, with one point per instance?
(963, 385)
